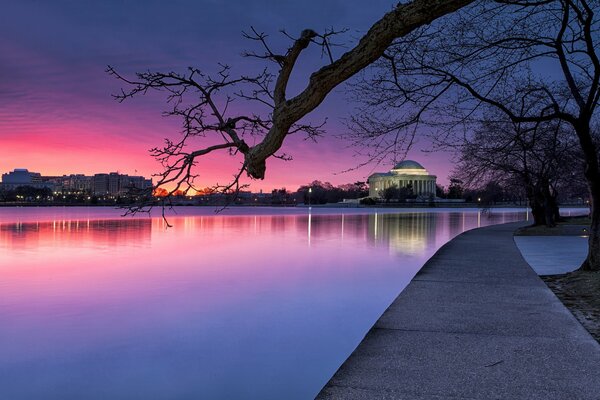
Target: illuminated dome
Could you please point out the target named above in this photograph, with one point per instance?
(406, 174)
(409, 164)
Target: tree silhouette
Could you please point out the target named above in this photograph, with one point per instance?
(202, 100)
(533, 61)
(543, 158)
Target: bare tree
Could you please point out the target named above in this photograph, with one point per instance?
(541, 157)
(534, 61)
(202, 101)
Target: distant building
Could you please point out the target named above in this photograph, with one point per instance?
(112, 184)
(115, 184)
(58, 182)
(22, 177)
(132, 183)
(100, 184)
(406, 173)
(74, 183)
(80, 183)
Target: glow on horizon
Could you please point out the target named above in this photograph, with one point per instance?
(57, 115)
(77, 148)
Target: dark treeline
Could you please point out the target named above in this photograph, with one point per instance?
(539, 160)
(318, 192)
(45, 196)
(26, 193)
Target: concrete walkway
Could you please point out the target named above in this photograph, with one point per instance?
(550, 255)
(475, 323)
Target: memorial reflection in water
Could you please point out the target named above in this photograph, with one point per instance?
(93, 306)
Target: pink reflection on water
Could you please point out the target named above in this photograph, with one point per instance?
(274, 302)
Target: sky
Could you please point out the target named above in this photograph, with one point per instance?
(57, 115)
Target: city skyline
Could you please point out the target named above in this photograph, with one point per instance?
(60, 96)
(102, 183)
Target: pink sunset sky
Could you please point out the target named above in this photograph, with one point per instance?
(57, 115)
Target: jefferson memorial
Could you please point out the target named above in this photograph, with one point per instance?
(406, 173)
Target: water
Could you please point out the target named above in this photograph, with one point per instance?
(254, 303)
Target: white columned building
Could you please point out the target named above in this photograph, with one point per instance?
(404, 174)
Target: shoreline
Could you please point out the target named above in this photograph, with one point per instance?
(303, 206)
(578, 290)
(475, 322)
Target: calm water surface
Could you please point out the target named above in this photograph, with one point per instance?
(252, 304)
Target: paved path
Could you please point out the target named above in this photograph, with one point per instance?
(549, 255)
(475, 323)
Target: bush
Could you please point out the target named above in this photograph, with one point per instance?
(368, 201)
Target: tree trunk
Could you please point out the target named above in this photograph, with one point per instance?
(592, 262)
(549, 203)
(537, 211)
(536, 204)
(592, 175)
(556, 209)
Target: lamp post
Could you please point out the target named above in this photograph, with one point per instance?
(309, 193)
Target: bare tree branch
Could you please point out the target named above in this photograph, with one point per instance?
(202, 100)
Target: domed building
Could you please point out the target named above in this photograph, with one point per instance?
(403, 174)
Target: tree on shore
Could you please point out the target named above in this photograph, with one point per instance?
(483, 56)
(541, 157)
(318, 192)
(440, 191)
(493, 192)
(201, 100)
(28, 193)
(533, 61)
(455, 189)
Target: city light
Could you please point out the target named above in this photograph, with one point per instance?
(72, 187)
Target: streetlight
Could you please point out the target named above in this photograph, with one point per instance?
(309, 193)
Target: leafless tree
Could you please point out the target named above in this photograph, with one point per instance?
(202, 100)
(542, 158)
(534, 61)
